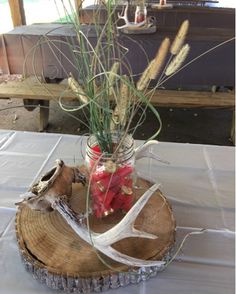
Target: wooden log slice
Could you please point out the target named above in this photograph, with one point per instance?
(56, 256)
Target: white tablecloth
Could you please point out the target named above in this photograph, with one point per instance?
(199, 182)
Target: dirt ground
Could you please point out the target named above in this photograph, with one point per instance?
(201, 126)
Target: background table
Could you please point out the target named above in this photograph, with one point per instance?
(199, 182)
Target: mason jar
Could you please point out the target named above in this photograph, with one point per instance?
(140, 14)
(111, 174)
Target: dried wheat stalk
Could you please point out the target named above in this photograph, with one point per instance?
(178, 60)
(145, 77)
(160, 58)
(180, 37)
(119, 115)
(77, 89)
(112, 76)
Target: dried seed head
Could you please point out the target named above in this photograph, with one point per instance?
(110, 166)
(114, 123)
(112, 76)
(160, 58)
(77, 89)
(178, 60)
(180, 37)
(123, 102)
(144, 80)
(119, 116)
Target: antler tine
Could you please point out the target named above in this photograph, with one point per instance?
(128, 260)
(144, 151)
(125, 227)
(71, 218)
(125, 15)
(127, 22)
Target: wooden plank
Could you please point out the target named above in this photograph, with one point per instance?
(193, 98)
(29, 89)
(17, 12)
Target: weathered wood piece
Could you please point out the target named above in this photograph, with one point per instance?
(140, 31)
(57, 257)
(30, 89)
(193, 99)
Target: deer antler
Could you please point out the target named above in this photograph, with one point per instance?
(123, 229)
(144, 151)
(128, 24)
(53, 190)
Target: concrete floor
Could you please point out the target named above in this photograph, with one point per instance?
(200, 126)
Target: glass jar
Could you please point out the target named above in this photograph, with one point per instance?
(111, 175)
(140, 14)
(162, 2)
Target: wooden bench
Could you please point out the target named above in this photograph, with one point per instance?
(31, 89)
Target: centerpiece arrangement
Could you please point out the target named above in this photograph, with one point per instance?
(106, 85)
(126, 223)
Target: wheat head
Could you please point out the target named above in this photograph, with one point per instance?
(145, 77)
(180, 38)
(160, 58)
(178, 60)
(112, 76)
(77, 89)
